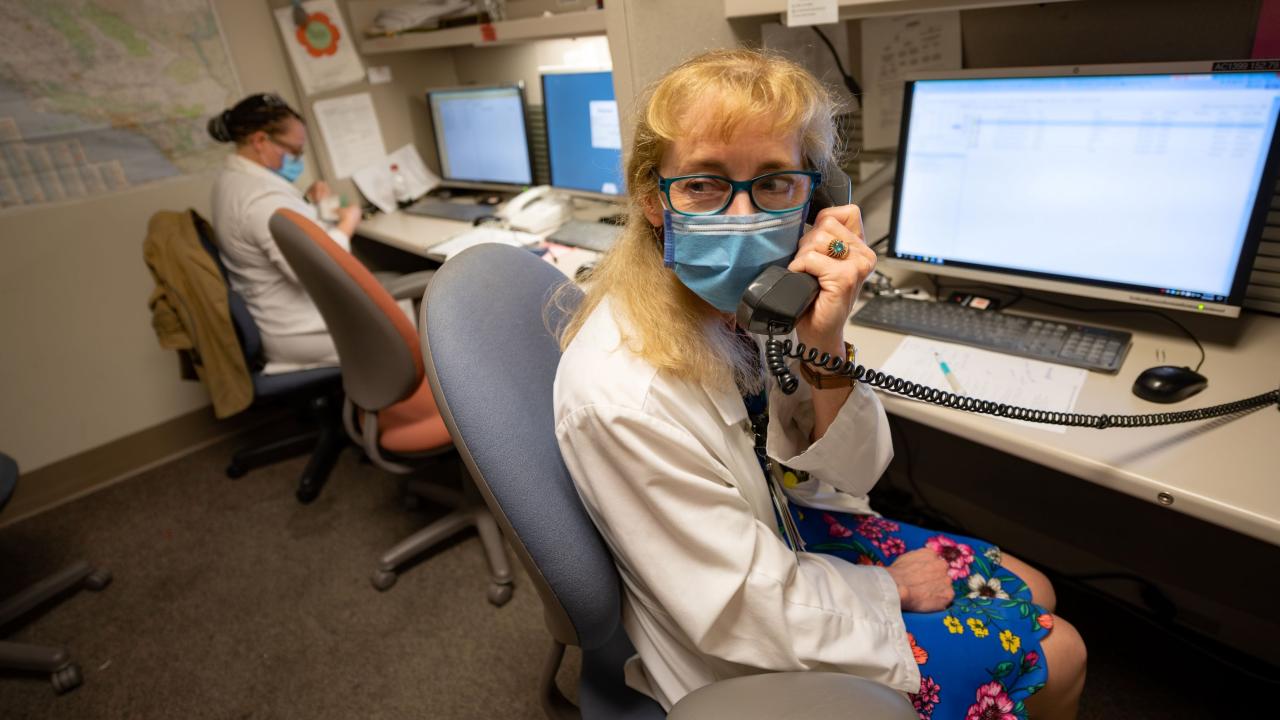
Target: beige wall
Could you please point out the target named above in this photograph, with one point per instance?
(80, 366)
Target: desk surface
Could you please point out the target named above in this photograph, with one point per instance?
(1222, 471)
(418, 234)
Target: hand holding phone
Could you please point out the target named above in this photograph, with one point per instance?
(839, 278)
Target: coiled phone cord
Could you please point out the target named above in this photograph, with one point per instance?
(778, 351)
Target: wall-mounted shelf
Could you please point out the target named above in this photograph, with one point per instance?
(853, 9)
(561, 25)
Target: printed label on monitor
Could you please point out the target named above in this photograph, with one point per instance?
(605, 132)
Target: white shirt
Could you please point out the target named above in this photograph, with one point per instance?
(245, 195)
(666, 469)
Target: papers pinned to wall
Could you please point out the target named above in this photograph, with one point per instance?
(349, 127)
(322, 51)
(892, 48)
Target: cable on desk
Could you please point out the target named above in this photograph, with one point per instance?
(777, 352)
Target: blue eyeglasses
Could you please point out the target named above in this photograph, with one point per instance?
(774, 192)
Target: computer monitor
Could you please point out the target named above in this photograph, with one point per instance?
(481, 137)
(584, 143)
(1142, 184)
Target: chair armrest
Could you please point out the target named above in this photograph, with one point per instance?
(410, 286)
(794, 695)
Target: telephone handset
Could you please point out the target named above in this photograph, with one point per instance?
(535, 210)
(776, 299)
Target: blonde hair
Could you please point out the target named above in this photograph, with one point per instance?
(669, 326)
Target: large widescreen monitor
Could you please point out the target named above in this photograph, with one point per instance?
(480, 134)
(584, 143)
(1142, 184)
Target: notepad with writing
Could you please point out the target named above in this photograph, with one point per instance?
(987, 375)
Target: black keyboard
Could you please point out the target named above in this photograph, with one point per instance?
(1083, 346)
(590, 235)
(467, 212)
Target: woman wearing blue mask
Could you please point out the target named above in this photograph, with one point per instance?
(256, 180)
(661, 404)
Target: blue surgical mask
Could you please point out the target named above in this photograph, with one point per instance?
(717, 256)
(291, 168)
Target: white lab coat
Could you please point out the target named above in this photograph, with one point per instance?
(667, 471)
(245, 195)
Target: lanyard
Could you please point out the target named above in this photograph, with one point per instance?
(757, 406)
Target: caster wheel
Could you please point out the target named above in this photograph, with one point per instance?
(500, 595)
(383, 580)
(98, 579)
(307, 494)
(235, 471)
(67, 679)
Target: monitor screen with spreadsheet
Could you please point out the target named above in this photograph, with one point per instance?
(1146, 185)
(480, 135)
(584, 142)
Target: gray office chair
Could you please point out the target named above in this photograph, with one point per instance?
(389, 411)
(313, 394)
(56, 661)
(491, 362)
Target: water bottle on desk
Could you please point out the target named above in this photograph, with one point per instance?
(400, 187)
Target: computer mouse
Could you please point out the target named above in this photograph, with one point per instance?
(1168, 384)
(583, 273)
(490, 199)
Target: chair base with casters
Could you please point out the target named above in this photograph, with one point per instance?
(324, 440)
(56, 661)
(468, 511)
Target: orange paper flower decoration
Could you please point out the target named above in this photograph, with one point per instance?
(319, 35)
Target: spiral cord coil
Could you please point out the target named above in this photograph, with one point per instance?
(777, 352)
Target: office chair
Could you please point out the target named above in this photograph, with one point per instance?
(313, 393)
(492, 361)
(390, 411)
(56, 661)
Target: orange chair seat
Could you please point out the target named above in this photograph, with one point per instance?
(413, 425)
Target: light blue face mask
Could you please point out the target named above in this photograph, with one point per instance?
(291, 168)
(717, 256)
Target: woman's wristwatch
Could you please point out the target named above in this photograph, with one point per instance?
(824, 381)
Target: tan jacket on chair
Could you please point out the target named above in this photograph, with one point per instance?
(189, 310)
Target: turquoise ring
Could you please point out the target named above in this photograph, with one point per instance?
(837, 249)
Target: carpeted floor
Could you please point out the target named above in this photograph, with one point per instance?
(230, 600)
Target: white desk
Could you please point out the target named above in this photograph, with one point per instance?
(412, 233)
(1223, 471)
(417, 234)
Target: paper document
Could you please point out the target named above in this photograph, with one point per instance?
(322, 50)
(893, 47)
(352, 138)
(605, 132)
(987, 375)
(479, 236)
(418, 178)
(374, 183)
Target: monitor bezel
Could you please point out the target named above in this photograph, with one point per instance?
(571, 191)
(1102, 289)
(458, 183)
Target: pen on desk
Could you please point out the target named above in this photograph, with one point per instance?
(950, 376)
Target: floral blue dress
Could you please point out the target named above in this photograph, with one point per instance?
(980, 658)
